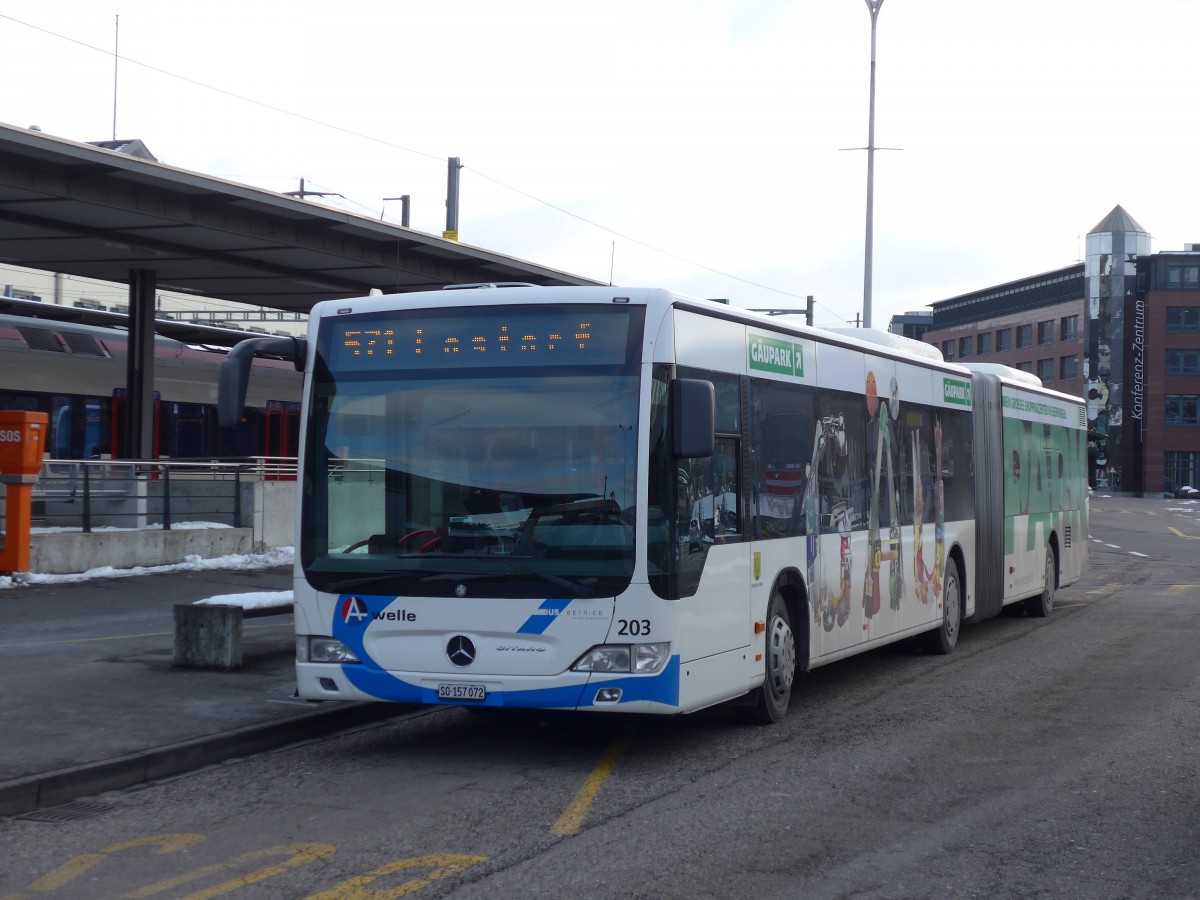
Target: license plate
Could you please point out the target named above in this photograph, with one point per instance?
(462, 692)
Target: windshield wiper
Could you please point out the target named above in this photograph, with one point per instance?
(338, 586)
(580, 589)
(577, 588)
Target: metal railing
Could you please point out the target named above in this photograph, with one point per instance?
(144, 494)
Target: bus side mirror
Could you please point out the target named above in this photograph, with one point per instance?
(234, 375)
(693, 420)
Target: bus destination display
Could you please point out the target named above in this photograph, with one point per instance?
(484, 339)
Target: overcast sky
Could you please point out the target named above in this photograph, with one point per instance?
(689, 144)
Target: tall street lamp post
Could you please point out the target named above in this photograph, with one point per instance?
(873, 6)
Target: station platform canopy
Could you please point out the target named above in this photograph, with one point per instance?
(89, 211)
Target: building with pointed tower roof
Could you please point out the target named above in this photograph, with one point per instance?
(1122, 330)
(1110, 274)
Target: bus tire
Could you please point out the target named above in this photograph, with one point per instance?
(779, 659)
(945, 636)
(1040, 606)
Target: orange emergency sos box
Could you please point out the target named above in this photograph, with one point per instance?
(22, 440)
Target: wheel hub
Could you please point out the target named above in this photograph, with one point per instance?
(781, 658)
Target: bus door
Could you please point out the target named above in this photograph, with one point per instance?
(715, 569)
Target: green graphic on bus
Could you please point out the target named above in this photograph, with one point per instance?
(956, 392)
(773, 355)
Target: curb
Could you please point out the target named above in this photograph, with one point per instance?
(22, 795)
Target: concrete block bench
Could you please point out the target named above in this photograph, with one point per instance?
(208, 633)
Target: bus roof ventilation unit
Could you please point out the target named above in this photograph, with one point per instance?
(1003, 371)
(891, 340)
(486, 284)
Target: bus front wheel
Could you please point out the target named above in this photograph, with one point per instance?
(780, 663)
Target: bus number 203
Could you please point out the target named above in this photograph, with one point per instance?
(634, 627)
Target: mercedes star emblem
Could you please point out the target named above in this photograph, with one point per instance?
(460, 650)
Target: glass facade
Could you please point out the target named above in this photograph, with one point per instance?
(1110, 274)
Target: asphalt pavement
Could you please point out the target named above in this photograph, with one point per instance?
(90, 699)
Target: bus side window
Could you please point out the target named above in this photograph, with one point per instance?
(781, 449)
(840, 462)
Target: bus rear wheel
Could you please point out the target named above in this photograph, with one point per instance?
(946, 636)
(1040, 606)
(780, 662)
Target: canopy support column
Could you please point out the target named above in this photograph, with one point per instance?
(137, 433)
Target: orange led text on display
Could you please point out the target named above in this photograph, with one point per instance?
(383, 342)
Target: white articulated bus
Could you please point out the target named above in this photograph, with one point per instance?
(623, 499)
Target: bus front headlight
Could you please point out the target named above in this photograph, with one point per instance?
(629, 658)
(310, 648)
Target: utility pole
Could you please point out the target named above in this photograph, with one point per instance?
(302, 193)
(808, 312)
(451, 232)
(403, 198)
(116, 62)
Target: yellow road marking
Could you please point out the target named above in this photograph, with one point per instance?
(440, 867)
(73, 868)
(295, 855)
(1178, 533)
(572, 820)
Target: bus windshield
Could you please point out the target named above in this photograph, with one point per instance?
(501, 474)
